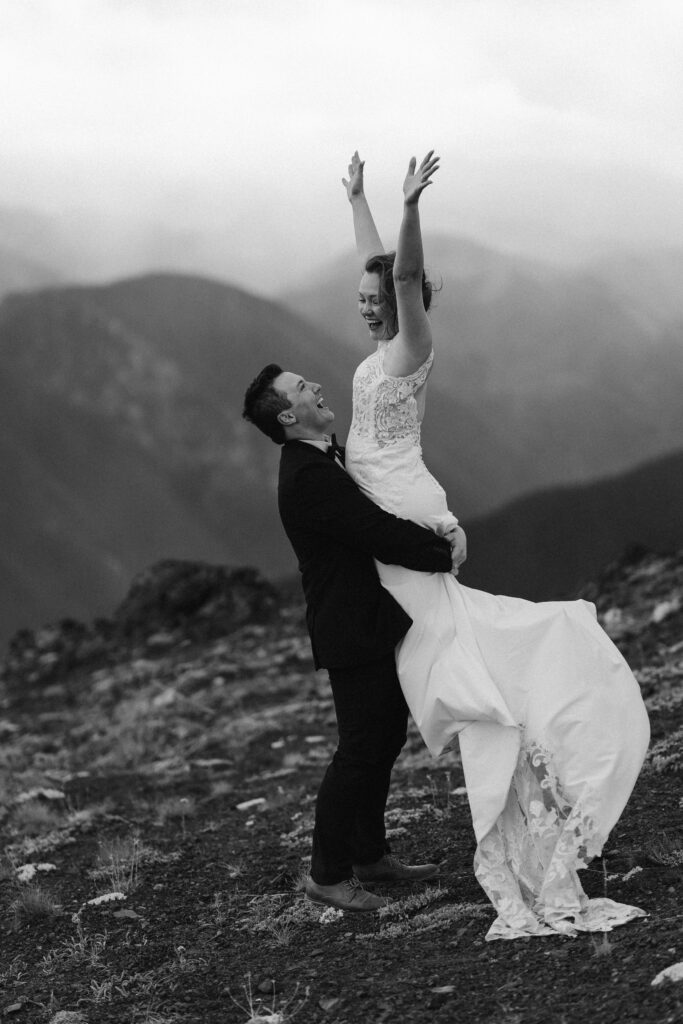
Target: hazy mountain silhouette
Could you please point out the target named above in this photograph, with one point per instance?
(649, 285)
(17, 273)
(544, 546)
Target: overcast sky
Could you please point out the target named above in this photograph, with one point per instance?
(227, 124)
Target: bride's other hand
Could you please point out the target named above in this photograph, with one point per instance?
(458, 541)
(354, 184)
(418, 180)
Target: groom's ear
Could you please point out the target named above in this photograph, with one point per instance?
(286, 418)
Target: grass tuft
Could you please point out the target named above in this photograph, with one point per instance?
(118, 862)
(666, 850)
(35, 818)
(260, 1013)
(32, 904)
(603, 948)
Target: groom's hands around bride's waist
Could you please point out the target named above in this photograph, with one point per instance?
(458, 542)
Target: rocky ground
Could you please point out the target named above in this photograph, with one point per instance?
(157, 779)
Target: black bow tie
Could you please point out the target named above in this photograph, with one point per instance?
(335, 451)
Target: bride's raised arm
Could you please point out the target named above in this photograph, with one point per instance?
(413, 343)
(368, 242)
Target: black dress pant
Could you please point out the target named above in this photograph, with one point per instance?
(372, 718)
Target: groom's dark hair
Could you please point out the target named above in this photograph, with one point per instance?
(263, 403)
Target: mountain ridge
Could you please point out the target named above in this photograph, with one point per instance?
(121, 430)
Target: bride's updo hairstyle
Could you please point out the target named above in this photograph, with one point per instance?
(383, 266)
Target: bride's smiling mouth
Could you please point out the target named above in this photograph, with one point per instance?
(373, 325)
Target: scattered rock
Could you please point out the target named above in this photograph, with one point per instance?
(249, 805)
(39, 792)
(193, 599)
(27, 871)
(107, 897)
(672, 973)
(665, 608)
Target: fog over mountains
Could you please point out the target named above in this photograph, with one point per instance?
(121, 438)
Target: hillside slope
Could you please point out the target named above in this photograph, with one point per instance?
(179, 768)
(545, 545)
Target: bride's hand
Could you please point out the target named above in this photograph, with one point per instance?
(458, 541)
(418, 180)
(354, 185)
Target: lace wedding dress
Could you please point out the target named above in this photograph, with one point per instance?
(550, 720)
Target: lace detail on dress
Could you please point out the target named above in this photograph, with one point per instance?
(527, 864)
(385, 409)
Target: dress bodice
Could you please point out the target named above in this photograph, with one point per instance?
(383, 449)
(385, 408)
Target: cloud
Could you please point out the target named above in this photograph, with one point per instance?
(183, 110)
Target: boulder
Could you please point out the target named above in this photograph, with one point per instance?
(198, 600)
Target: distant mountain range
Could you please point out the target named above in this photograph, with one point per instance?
(121, 438)
(544, 546)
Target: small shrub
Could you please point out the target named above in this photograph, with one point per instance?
(104, 991)
(667, 754)
(68, 1017)
(82, 949)
(32, 904)
(35, 818)
(277, 918)
(665, 850)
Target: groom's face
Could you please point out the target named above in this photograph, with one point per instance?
(307, 409)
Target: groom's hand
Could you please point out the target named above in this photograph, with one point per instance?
(458, 541)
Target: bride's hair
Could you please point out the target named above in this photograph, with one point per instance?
(383, 266)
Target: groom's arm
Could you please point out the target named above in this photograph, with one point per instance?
(329, 503)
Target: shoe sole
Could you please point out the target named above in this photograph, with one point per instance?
(397, 878)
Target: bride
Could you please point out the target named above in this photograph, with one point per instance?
(550, 721)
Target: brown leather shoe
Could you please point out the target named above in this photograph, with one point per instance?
(391, 869)
(346, 895)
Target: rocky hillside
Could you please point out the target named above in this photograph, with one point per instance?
(156, 790)
(544, 546)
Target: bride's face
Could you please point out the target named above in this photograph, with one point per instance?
(376, 313)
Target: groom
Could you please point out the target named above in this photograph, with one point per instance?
(354, 626)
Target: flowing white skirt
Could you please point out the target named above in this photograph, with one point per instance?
(552, 730)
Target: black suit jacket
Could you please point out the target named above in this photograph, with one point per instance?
(336, 532)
